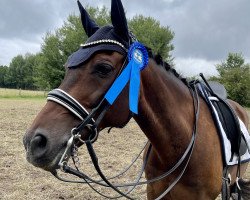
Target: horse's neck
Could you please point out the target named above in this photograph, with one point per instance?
(165, 111)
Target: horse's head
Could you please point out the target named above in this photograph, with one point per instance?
(90, 72)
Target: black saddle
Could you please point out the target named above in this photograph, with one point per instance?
(227, 115)
(218, 89)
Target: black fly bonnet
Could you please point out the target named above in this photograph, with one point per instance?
(113, 37)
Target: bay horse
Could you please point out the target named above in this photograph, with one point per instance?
(166, 114)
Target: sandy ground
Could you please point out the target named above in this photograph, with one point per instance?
(20, 180)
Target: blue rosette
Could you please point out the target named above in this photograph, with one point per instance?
(138, 53)
(138, 60)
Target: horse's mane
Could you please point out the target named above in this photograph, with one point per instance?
(159, 61)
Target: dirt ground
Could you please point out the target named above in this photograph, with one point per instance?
(20, 180)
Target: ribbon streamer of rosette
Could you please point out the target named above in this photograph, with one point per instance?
(138, 60)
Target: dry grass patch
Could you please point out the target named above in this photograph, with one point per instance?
(14, 93)
(20, 180)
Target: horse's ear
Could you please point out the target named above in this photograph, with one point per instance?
(119, 20)
(88, 24)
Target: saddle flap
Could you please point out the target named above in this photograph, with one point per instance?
(231, 127)
(225, 117)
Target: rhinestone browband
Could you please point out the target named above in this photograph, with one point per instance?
(103, 42)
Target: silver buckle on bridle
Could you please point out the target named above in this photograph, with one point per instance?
(93, 131)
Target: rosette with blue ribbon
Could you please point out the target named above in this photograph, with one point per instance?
(138, 60)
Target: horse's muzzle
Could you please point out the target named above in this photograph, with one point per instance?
(40, 153)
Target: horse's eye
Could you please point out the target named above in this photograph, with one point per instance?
(103, 69)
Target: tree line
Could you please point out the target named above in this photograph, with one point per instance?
(234, 74)
(45, 70)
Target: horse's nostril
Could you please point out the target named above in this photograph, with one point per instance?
(38, 145)
(41, 141)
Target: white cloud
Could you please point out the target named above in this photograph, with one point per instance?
(204, 31)
(193, 66)
(14, 47)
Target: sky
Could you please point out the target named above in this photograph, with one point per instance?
(205, 31)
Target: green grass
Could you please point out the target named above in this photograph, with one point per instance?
(25, 94)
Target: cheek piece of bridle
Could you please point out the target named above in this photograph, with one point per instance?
(88, 122)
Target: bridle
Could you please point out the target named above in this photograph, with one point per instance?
(90, 120)
(87, 118)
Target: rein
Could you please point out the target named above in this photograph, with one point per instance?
(61, 97)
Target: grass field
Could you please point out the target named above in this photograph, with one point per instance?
(14, 93)
(20, 180)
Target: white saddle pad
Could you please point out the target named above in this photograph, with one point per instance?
(226, 145)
